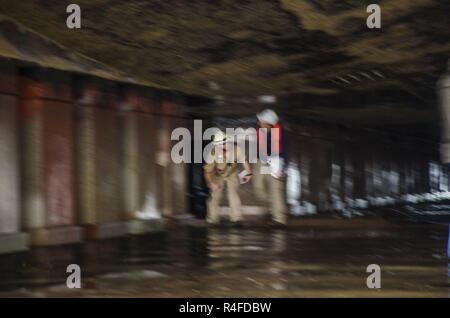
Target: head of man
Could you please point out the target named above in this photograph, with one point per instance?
(267, 118)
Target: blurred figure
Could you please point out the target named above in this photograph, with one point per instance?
(270, 177)
(221, 169)
(443, 88)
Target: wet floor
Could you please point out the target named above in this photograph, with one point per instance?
(323, 258)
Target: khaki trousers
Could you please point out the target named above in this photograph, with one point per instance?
(268, 188)
(232, 184)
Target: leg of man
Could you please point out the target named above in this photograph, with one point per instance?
(213, 203)
(278, 200)
(233, 198)
(259, 186)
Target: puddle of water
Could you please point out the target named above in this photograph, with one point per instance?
(218, 262)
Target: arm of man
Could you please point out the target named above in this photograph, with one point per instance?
(240, 155)
(209, 181)
(245, 164)
(249, 171)
(208, 171)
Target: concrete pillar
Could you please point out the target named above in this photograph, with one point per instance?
(178, 181)
(150, 182)
(359, 177)
(47, 157)
(377, 165)
(176, 174)
(443, 89)
(425, 175)
(403, 170)
(338, 173)
(98, 148)
(369, 176)
(129, 109)
(163, 162)
(349, 176)
(315, 166)
(304, 164)
(320, 175)
(11, 239)
(155, 187)
(386, 185)
(140, 191)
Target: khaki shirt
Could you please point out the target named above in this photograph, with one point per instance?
(220, 166)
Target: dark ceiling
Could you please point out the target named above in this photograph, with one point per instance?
(315, 56)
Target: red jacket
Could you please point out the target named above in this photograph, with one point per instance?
(275, 146)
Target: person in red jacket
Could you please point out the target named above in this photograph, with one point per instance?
(269, 179)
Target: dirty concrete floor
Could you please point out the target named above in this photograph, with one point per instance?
(319, 259)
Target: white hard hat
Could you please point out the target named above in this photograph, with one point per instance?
(220, 138)
(267, 116)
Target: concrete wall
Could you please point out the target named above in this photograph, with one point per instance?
(11, 237)
(154, 185)
(98, 153)
(76, 165)
(46, 124)
(9, 165)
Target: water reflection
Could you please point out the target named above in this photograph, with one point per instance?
(192, 261)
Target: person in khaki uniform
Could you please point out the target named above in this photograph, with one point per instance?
(221, 170)
(270, 176)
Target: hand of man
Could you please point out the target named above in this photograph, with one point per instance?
(246, 178)
(213, 186)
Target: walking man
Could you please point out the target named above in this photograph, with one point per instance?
(269, 182)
